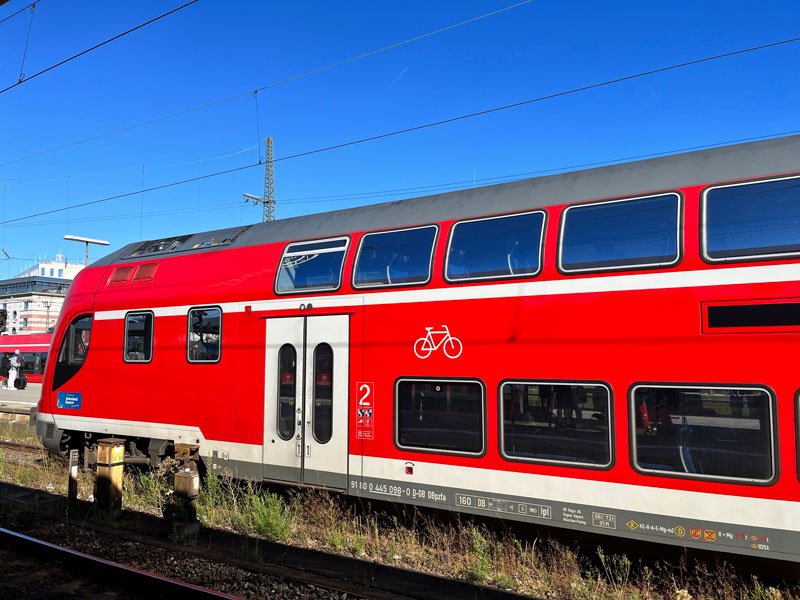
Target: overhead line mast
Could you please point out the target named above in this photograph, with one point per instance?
(267, 201)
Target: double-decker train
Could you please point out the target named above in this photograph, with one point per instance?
(608, 350)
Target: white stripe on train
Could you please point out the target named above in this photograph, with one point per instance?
(713, 276)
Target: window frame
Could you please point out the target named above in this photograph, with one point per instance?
(396, 426)
(774, 441)
(638, 267)
(188, 331)
(496, 277)
(612, 455)
(278, 395)
(704, 225)
(434, 243)
(152, 336)
(295, 292)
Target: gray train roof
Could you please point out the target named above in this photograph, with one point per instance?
(741, 161)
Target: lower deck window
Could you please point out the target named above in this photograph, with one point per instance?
(444, 416)
(704, 432)
(556, 422)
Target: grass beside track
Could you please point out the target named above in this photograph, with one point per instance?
(460, 549)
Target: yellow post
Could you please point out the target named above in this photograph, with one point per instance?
(110, 462)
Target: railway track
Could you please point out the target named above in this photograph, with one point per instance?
(33, 568)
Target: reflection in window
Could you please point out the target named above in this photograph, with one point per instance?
(751, 220)
(446, 416)
(323, 393)
(310, 266)
(556, 423)
(622, 233)
(704, 432)
(395, 257)
(287, 391)
(203, 339)
(498, 247)
(75, 345)
(34, 362)
(138, 337)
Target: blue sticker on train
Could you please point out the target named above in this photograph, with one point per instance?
(69, 400)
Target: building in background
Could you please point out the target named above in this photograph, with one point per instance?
(33, 299)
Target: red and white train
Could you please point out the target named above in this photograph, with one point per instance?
(609, 350)
(34, 348)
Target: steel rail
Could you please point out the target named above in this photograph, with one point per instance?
(115, 574)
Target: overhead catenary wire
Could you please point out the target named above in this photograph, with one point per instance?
(96, 46)
(14, 14)
(446, 121)
(274, 84)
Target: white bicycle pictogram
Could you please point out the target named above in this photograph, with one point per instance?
(433, 340)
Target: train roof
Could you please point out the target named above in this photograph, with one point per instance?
(740, 161)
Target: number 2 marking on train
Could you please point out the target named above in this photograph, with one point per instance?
(364, 391)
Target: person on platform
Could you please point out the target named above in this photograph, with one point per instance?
(16, 365)
(5, 366)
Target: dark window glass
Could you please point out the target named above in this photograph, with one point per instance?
(138, 337)
(557, 422)
(204, 337)
(499, 247)
(757, 219)
(73, 351)
(287, 391)
(34, 362)
(395, 257)
(323, 393)
(624, 233)
(704, 432)
(75, 345)
(445, 416)
(312, 266)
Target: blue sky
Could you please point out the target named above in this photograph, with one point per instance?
(212, 50)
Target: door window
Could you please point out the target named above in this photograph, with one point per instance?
(287, 391)
(323, 393)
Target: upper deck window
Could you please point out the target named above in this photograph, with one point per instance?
(311, 266)
(400, 257)
(496, 247)
(139, 337)
(752, 220)
(620, 234)
(204, 338)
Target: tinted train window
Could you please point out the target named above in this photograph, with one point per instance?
(752, 220)
(138, 337)
(205, 335)
(323, 393)
(440, 415)
(73, 351)
(704, 432)
(287, 391)
(556, 422)
(395, 257)
(311, 266)
(497, 247)
(641, 232)
(34, 362)
(75, 345)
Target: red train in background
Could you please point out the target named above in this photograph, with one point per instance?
(34, 348)
(607, 350)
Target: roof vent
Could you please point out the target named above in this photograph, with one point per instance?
(145, 272)
(120, 275)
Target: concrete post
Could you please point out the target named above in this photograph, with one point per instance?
(110, 463)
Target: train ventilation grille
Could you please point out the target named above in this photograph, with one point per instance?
(120, 275)
(145, 272)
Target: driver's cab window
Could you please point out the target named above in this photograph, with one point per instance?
(75, 345)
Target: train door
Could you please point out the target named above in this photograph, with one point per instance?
(305, 413)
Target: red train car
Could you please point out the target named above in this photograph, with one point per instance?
(34, 348)
(607, 350)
